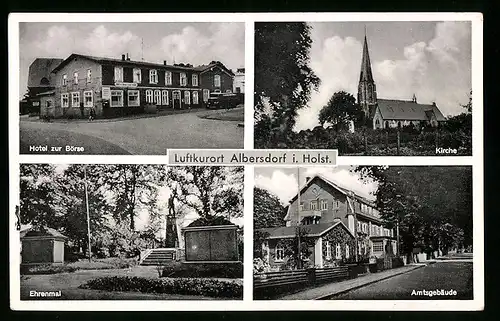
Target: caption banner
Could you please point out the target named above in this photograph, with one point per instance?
(251, 157)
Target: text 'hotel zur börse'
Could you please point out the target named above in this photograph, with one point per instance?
(73, 86)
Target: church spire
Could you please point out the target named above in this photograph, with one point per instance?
(366, 67)
(367, 92)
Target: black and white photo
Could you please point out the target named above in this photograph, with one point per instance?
(130, 88)
(130, 232)
(364, 88)
(363, 233)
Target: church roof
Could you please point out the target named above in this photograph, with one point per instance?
(366, 67)
(407, 110)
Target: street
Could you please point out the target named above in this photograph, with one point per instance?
(446, 275)
(140, 136)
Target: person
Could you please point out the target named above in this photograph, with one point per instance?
(82, 109)
(92, 114)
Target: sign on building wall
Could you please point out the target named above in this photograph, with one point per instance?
(126, 84)
(106, 93)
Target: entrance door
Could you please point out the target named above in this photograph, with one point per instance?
(176, 99)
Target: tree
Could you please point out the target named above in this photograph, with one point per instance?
(208, 190)
(134, 187)
(428, 203)
(267, 209)
(38, 194)
(340, 110)
(283, 77)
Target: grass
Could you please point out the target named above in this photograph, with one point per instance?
(96, 264)
(236, 114)
(68, 284)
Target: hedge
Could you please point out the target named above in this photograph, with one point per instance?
(204, 270)
(186, 286)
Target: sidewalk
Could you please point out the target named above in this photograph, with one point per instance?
(114, 119)
(337, 288)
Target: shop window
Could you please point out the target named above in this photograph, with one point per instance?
(133, 98)
(116, 98)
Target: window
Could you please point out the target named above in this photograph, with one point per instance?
(206, 94)
(153, 76)
(183, 79)
(338, 255)
(187, 98)
(157, 97)
(314, 205)
(118, 74)
(75, 99)
(64, 80)
(168, 77)
(324, 205)
(88, 99)
(328, 250)
(365, 227)
(194, 80)
(195, 98)
(137, 75)
(164, 97)
(133, 98)
(217, 81)
(359, 226)
(149, 96)
(378, 247)
(347, 251)
(301, 206)
(75, 78)
(280, 253)
(116, 98)
(64, 100)
(89, 75)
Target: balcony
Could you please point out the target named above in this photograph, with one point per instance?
(310, 213)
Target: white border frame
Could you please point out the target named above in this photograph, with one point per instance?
(247, 303)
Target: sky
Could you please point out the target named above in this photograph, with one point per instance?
(429, 59)
(282, 181)
(194, 43)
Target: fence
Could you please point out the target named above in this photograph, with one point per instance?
(270, 284)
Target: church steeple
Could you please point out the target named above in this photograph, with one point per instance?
(367, 92)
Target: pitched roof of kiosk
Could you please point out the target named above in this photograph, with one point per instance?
(47, 231)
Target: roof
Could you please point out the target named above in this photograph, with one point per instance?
(47, 231)
(205, 68)
(333, 184)
(313, 230)
(366, 69)
(407, 110)
(119, 61)
(41, 68)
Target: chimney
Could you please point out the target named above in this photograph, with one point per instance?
(308, 178)
(164, 62)
(123, 57)
(434, 103)
(128, 58)
(414, 99)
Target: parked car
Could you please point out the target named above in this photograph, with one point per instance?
(222, 100)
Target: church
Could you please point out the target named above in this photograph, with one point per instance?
(389, 113)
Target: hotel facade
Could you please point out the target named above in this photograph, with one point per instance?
(120, 86)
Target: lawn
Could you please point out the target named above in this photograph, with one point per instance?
(236, 114)
(68, 284)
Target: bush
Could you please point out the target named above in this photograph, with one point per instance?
(46, 269)
(204, 270)
(260, 266)
(206, 287)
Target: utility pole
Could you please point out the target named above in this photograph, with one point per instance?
(298, 218)
(356, 245)
(142, 49)
(88, 213)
